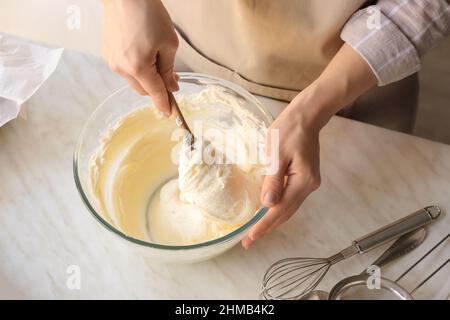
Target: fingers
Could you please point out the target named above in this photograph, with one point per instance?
(159, 78)
(273, 184)
(153, 84)
(134, 84)
(272, 189)
(146, 80)
(165, 67)
(295, 192)
(293, 196)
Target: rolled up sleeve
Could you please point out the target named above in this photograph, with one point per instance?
(392, 35)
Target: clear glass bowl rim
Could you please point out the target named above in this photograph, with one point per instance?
(183, 76)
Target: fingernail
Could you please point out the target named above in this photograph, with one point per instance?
(270, 198)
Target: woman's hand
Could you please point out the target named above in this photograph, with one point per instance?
(139, 43)
(298, 171)
(345, 78)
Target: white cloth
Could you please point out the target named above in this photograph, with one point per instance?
(24, 67)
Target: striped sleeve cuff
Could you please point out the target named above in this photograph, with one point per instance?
(389, 53)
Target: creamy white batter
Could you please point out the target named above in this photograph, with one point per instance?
(143, 192)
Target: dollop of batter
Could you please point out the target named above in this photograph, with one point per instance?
(222, 190)
(134, 171)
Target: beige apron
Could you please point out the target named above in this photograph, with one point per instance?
(274, 48)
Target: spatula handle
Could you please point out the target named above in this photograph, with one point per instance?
(179, 118)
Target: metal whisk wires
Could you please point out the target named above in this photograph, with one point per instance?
(293, 278)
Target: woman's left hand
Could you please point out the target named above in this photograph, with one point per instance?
(298, 171)
(345, 78)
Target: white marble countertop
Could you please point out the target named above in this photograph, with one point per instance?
(371, 177)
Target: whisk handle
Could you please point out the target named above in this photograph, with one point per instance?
(398, 228)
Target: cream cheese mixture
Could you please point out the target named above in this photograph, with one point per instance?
(152, 186)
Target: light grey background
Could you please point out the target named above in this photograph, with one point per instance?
(433, 116)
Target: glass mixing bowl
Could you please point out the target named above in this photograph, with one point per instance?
(108, 113)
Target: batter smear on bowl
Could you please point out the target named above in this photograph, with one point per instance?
(155, 188)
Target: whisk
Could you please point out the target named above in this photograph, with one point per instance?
(293, 278)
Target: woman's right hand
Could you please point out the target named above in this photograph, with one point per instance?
(139, 43)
